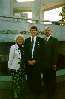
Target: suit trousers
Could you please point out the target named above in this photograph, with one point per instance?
(49, 78)
(34, 79)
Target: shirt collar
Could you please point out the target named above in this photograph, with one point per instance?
(33, 38)
(48, 37)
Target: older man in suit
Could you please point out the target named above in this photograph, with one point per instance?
(48, 61)
(31, 54)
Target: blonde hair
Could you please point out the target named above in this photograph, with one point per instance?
(19, 35)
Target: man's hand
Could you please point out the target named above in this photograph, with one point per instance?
(31, 62)
(54, 67)
(34, 62)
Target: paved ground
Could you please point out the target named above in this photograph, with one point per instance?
(60, 93)
(5, 91)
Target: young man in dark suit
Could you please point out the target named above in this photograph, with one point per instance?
(31, 54)
(48, 61)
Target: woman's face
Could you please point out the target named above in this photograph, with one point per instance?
(20, 40)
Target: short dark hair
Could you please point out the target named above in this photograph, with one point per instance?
(34, 27)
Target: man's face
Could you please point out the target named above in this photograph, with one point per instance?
(48, 32)
(33, 32)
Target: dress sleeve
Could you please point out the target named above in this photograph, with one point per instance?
(11, 56)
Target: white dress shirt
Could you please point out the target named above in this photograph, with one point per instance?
(33, 44)
(47, 38)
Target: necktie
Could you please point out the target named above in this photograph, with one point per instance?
(32, 42)
(46, 39)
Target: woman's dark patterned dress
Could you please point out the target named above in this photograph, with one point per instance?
(18, 77)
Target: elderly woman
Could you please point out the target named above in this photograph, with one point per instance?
(16, 65)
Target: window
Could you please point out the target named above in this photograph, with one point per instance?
(53, 15)
(24, 0)
(29, 16)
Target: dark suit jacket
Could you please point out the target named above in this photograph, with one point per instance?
(48, 53)
(28, 50)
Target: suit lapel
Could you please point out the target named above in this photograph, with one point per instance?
(36, 41)
(29, 43)
(49, 41)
